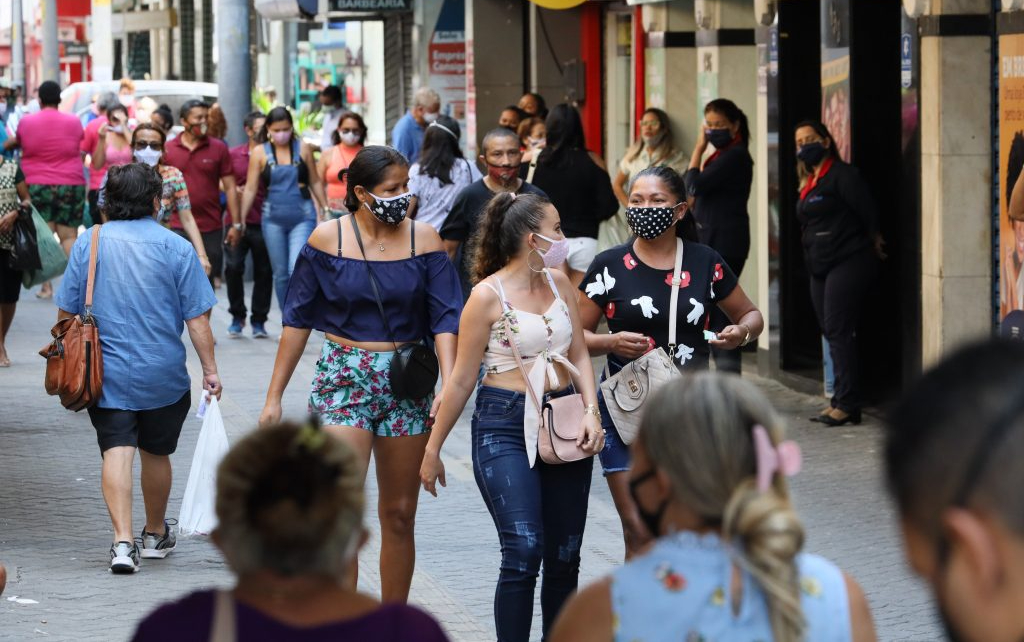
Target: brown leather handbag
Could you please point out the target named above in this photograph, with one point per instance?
(74, 363)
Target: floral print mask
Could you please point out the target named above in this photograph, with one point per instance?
(390, 210)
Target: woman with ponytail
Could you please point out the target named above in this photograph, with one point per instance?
(709, 477)
(719, 189)
(539, 509)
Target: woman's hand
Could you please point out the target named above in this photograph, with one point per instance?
(432, 472)
(435, 408)
(631, 345)
(702, 141)
(205, 262)
(730, 337)
(102, 131)
(591, 437)
(271, 414)
(7, 221)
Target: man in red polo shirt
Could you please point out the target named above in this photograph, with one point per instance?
(206, 163)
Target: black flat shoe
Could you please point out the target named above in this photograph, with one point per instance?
(822, 417)
(851, 418)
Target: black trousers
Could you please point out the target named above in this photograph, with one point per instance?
(262, 276)
(726, 360)
(838, 298)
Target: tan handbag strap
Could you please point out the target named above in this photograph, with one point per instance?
(522, 366)
(223, 627)
(91, 282)
(533, 168)
(673, 308)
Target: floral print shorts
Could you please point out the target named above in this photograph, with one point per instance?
(352, 387)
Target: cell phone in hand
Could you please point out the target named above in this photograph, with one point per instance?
(710, 336)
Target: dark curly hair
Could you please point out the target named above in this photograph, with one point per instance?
(131, 191)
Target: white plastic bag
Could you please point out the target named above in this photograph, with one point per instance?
(197, 515)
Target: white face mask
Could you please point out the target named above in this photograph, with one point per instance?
(148, 156)
(117, 129)
(430, 116)
(126, 99)
(350, 138)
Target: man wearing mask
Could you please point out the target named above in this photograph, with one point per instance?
(252, 241)
(330, 105)
(953, 452)
(206, 163)
(407, 136)
(502, 157)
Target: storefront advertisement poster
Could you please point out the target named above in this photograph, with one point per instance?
(1011, 161)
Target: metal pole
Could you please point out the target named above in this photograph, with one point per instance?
(18, 42)
(234, 75)
(51, 50)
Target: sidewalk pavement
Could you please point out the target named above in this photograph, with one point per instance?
(55, 532)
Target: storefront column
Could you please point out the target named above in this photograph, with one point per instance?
(956, 177)
(727, 67)
(494, 43)
(670, 65)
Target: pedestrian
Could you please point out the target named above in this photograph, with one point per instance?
(577, 185)
(539, 509)
(148, 147)
(510, 117)
(533, 104)
(148, 285)
(502, 157)
(348, 138)
(51, 159)
(532, 137)
(655, 146)
(728, 562)
(113, 147)
(251, 244)
(440, 174)
(126, 96)
(206, 164)
(953, 447)
(417, 288)
(842, 249)
(719, 191)
(290, 506)
(284, 165)
(332, 108)
(630, 285)
(407, 135)
(14, 199)
(163, 118)
(217, 127)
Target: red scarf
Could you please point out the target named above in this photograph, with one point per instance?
(813, 180)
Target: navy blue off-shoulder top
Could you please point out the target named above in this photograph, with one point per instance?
(421, 296)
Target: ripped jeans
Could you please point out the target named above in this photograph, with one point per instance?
(539, 513)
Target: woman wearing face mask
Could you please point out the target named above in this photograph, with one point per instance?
(709, 476)
(331, 291)
(655, 146)
(440, 174)
(539, 509)
(631, 286)
(113, 147)
(718, 192)
(285, 166)
(578, 186)
(533, 136)
(348, 139)
(842, 248)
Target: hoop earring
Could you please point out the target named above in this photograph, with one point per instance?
(542, 266)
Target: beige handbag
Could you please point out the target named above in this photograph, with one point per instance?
(626, 393)
(561, 418)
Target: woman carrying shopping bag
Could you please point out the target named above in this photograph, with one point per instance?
(14, 199)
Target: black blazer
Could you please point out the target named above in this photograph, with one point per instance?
(722, 189)
(579, 189)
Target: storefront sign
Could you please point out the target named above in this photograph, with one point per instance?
(906, 61)
(1011, 161)
(447, 56)
(374, 6)
(835, 74)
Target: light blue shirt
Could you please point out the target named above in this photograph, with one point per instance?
(679, 591)
(407, 136)
(148, 283)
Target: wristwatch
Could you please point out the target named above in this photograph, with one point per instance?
(592, 410)
(237, 226)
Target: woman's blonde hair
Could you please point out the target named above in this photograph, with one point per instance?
(290, 500)
(699, 432)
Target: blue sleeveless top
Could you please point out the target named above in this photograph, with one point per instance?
(421, 296)
(680, 591)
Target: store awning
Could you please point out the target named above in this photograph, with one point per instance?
(558, 4)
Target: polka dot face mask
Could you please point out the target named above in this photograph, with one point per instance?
(650, 222)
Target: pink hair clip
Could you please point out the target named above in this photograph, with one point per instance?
(784, 458)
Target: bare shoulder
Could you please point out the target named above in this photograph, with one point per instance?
(861, 623)
(325, 235)
(427, 239)
(587, 616)
(562, 282)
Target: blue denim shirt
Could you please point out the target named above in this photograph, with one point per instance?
(148, 283)
(407, 136)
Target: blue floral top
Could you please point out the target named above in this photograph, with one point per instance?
(679, 591)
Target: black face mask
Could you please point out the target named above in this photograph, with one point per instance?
(812, 153)
(720, 138)
(651, 520)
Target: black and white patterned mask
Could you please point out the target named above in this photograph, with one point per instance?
(650, 222)
(390, 210)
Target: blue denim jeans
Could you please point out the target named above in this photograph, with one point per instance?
(539, 512)
(285, 231)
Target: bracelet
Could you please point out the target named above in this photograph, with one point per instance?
(591, 409)
(747, 338)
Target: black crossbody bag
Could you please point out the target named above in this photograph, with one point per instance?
(414, 367)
